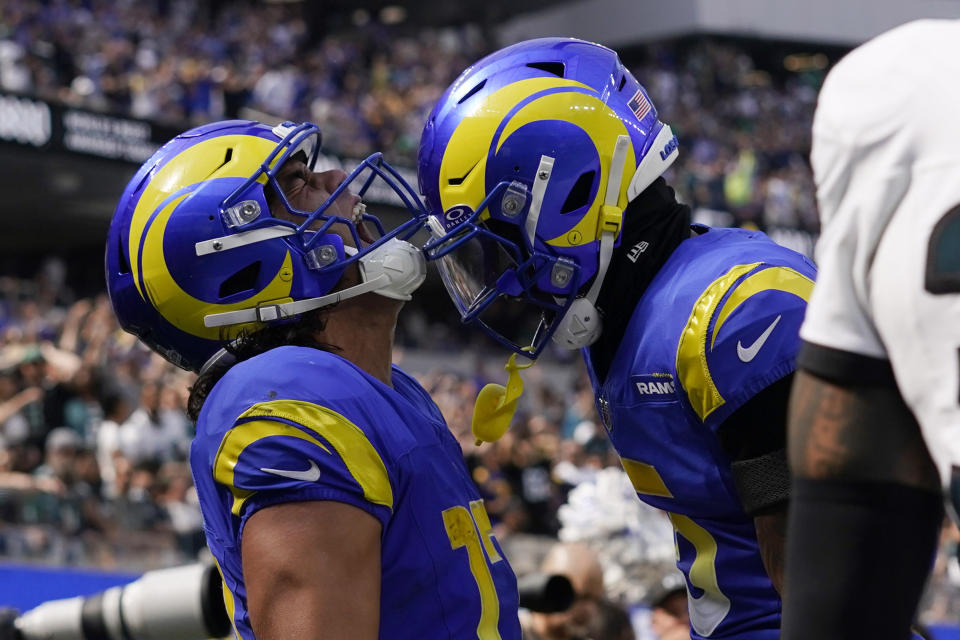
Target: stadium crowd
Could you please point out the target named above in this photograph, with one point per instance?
(94, 438)
(744, 131)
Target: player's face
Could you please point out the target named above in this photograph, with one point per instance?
(306, 190)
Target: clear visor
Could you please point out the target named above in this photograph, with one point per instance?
(484, 279)
(471, 271)
(522, 324)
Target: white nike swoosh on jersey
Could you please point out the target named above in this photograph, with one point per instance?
(746, 354)
(307, 475)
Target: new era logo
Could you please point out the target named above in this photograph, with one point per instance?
(636, 250)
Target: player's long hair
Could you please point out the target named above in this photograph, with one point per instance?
(298, 333)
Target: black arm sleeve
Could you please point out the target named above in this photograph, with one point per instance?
(844, 367)
(755, 438)
(860, 553)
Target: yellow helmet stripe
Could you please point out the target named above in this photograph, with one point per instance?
(474, 136)
(247, 152)
(604, 126)
(183, 310)
(151, 216)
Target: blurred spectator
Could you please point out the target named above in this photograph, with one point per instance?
(370, 87)
(581, 566)
(63, 368)
(115, 409)
(179, 500)
(61, 447)
(69, 500)
(612, 622)
(669, 618)
(138, 506)
(157, 430)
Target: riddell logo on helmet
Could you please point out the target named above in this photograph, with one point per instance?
(669, 148)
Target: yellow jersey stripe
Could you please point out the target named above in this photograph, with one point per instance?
(773, 278)
(361, 458)
(691, 363)
(692, 366)
(645, 479)
(237, 439)
(228, 601)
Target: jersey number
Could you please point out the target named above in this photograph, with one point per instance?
(472, 530)
(709, 609)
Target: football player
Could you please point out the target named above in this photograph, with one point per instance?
(875, 414)
(541, 168)
(335, 500)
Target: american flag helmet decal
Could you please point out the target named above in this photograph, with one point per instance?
(639, 104)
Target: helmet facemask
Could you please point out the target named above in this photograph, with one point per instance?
(388, 264)
(492, 275)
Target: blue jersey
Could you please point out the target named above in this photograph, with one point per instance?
(299, 424)
(718, 323)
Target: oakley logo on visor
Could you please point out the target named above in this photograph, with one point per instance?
(455, 214)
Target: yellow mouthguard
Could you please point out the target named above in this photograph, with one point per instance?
(496, 404)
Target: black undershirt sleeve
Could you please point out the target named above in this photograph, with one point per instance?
(755, 438)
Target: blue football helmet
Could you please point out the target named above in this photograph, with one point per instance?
(526, 164)
(195, 255)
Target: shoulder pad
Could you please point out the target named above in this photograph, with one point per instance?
(288, 445)
(742, 332)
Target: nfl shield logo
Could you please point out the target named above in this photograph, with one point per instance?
(603, 407)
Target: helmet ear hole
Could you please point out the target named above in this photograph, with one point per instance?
(579, 194)
(243, 280)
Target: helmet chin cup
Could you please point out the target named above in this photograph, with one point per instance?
(580, 326)
(400, 263)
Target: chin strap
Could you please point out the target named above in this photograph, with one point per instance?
(394, 270)
(268, 312)
(581, 324)
(496, 404)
